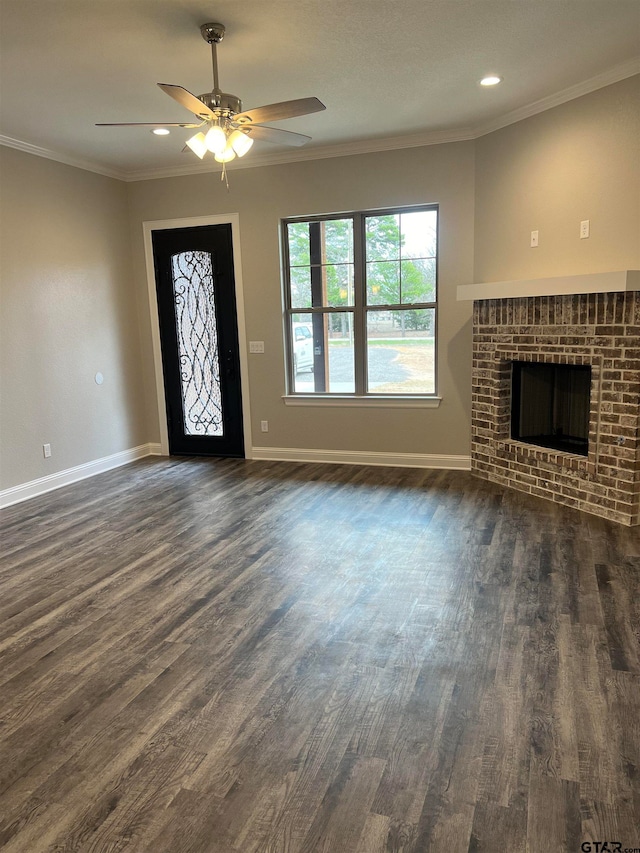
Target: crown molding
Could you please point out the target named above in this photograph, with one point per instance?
(60, 157)
(608, 78)
(367, 146)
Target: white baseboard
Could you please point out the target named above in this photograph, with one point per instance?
(361, 457)
(34, 488)
(25, 491)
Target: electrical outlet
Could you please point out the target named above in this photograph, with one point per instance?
(264, 426)
(534, 239)
(584, 229)
(256, 346)
(46, 449)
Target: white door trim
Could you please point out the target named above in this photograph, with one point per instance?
(232, 219)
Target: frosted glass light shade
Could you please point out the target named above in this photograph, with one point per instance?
(226, 156)
(240, 142)
(216, 139)
(198, 144)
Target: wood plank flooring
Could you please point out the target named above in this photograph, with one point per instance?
(211, 656)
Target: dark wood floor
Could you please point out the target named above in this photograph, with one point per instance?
(217, 656)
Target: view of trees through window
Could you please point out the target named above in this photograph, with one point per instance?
(361, 301)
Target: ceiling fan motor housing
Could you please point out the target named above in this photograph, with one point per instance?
(222, 102)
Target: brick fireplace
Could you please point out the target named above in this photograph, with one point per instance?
(599, 330)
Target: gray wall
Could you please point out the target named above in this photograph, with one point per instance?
(67, 311)
(577, 161)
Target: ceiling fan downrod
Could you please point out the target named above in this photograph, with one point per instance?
(222, 103)
(213, 35)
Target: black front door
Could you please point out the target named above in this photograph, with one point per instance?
(199, 338)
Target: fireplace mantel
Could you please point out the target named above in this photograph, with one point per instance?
(598, 282)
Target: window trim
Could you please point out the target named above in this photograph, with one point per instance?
(358, 311)
(379, 401)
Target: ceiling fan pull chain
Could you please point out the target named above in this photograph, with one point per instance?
(224, 176)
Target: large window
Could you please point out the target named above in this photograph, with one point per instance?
(360, 297)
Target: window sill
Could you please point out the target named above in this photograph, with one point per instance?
(361, 402)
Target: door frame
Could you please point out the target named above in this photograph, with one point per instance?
(149, 227)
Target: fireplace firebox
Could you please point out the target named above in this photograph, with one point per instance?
(550, 405)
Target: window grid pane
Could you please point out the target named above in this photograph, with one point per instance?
(401, 351)
(418, 234)
(418, 280)
(382, 237)
(322, 354)
(298, 243)
(336, 285)
(383, 282)
(337, 241)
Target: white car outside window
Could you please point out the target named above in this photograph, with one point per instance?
(302, 347)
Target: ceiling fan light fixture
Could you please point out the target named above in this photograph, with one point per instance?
(216, 139)
(226, 156)
(240, 142)
(198, 144)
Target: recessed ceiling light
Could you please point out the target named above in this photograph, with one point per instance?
(161, 131)
(491, 80)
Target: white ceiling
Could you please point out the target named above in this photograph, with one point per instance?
(391, 72)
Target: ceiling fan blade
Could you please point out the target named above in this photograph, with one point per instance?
(273, 134)
(184, 97)
(276, 112)
(145, 124)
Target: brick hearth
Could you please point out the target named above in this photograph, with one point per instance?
(601, 330)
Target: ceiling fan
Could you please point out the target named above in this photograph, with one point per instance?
(227, 130)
